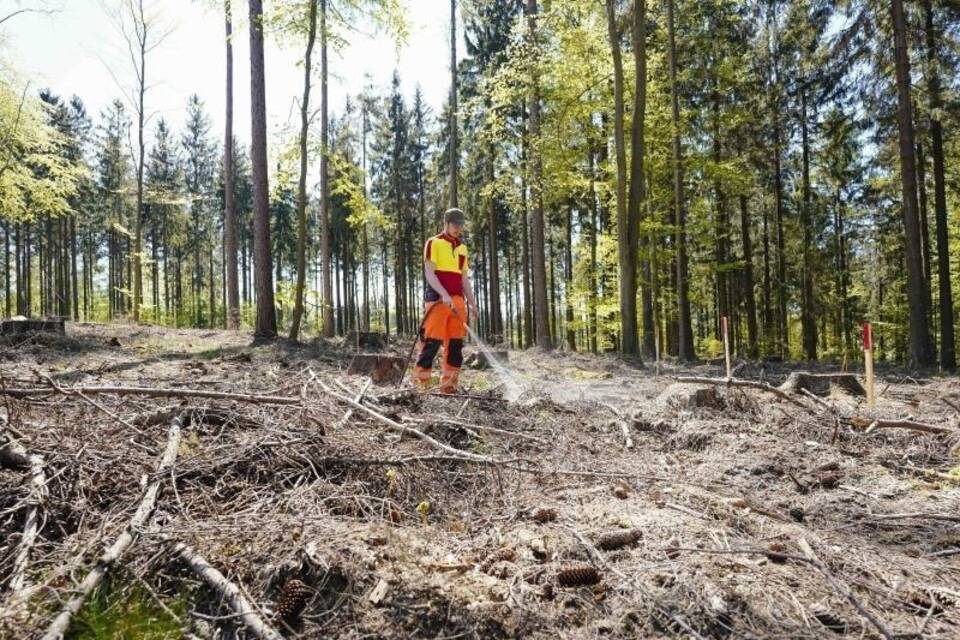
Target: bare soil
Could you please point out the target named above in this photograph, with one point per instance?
(717, 504)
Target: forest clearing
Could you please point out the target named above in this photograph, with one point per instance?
(606, 501)
(482, 319)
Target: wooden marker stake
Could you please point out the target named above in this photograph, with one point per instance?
(726, 345)
(868, 363)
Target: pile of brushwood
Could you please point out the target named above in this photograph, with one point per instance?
(260, 492)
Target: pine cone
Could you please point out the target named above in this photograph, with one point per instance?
(616, 539)
(293, 600)
(506, 554)
(776, 551)
(544, 514)
(577, 575)
(621, 492)
(829, 479)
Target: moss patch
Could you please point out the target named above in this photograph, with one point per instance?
(127, 614)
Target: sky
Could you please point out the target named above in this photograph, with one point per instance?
(78, 51)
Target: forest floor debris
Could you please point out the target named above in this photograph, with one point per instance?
(607, 501)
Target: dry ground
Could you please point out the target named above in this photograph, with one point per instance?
(474, 530)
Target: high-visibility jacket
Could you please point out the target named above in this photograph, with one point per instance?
(449, 256)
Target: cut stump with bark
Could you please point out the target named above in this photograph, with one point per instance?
(480, 360)
(19, 325)
(686, 397)
(383, 369)
(820, 384)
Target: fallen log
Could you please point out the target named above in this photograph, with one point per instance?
(58, 628)
(228, 592)
(820, 384)
(870, 425)
(735, 382)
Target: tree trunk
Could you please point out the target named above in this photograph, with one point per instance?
(230, 211)
(302, 184)
(496, 317)
(748, 282)
(454, 142)
(628, 268)
(685, 348)
(266, 324)
(138, 221)
(541, 306)
(948, 359)
(326, 253)
(637, 195)
(808, 317)
(921, 352)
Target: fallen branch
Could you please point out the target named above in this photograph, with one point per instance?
(478, 427)
(922, 516)
(842, 589)
(622, 422)
(159, 392)
(359, 398)
(228, 592)
(734, 382)
(396, 426)
(31, 526)
(58, 628)
(869, 426)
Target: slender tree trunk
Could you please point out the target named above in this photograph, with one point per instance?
(326, 253)
(230, 210)
(528, 331)
(748, 282)
(496, 317)
(302, 184)
(266, 324)
(925, 236)
(541, 306)
(685, 328)
(454, 133)
(138, 220)
(636, 200)
(921, 351)
(948, 359)
(593, 297)
(808, 316)
(628, 268)
(568, 280)
(783, 329)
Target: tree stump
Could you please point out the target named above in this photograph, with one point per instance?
(383, 369)
(479, 360)
(19, 325)
(820, 384)
(367, 340)
(689, 398)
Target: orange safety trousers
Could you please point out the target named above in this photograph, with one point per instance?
(443, 327)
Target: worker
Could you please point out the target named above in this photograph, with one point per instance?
(449, 304)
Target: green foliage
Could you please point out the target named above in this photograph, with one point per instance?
(127, 613)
